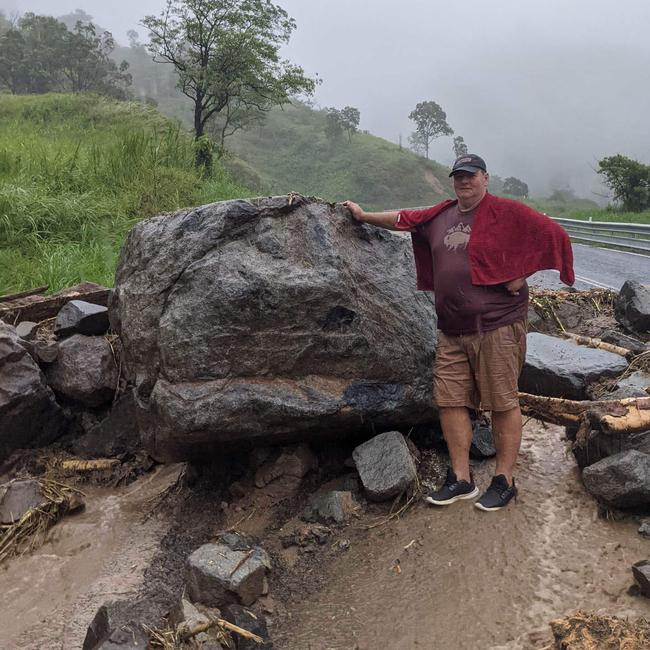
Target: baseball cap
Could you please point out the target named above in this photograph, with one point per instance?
(468, 162)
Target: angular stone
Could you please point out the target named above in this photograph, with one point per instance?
(79, 317)
(254, 623)
(108, 631)
(385, 466)
(600, 445)
(216, 575)
(334, 506)
(249, 322)
(632, 307)
(641, 573)
(623, 341)
(644, 528)
(295, 461)
(130, 636)
(116, 434)
(187, 616)
(18, 497)
(29, 414)
(84, 371)
(559, 368)
(621, 481)
(26, 330)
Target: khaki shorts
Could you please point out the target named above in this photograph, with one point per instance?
(480, 371)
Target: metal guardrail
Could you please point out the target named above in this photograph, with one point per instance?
(627, 236)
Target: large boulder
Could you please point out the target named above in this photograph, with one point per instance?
(632, 307)
(29, 414)
(560, 368)
(84, 371)
(267, 321)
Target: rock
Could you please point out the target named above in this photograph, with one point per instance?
(623, 341)
(26, 330)
(18, 497)
(294, 461)
(641, 573)
(334, 506)
(254, 623)
(482, 441)
(84, 371)
(632, 307)
(79, 317)
(620, 481)
(559, 368)
(115, 435)
(270, 321)
(306, 535)
(29, 414)
(107, 632)
(127, 637)
(385, 466)
(216, 575)
(45, 352)
(600, 445)
(644, 528)
(237, 541)
(188, 617)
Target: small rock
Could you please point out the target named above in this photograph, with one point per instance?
(293, 461)
(621, 480)
(80, 317)
(216, 574)
(247, 620)
(632, 307)
(107, 632)
(45, 352)
(385, 466)
(127, 637)
(18, 497)
(26, 330)
(641, 573)
(305, 535)
(75, 504)
(623, 341)
(188, 617)
(236, 541)
(336, 506)
(644, 528)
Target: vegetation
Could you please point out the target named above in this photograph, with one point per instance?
(291, 152)
(226, 56)
(629, 180)
(339, 121)
(430, 123)
(514, 187)
(41, 55)
(76, 172)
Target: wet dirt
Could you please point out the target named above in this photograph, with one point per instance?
(458, 578)
(48, 598)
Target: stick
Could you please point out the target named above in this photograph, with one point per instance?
(23, 294)
(220, 622)
(598, 343)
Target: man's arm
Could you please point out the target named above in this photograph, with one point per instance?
(382, 219)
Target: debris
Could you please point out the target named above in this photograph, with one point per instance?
(584, 631)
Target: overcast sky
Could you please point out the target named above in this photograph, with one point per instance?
(542, 91)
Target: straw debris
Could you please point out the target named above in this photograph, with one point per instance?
(584, 631)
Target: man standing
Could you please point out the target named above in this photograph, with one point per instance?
(475, 254)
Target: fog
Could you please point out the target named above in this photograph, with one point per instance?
(541, 91)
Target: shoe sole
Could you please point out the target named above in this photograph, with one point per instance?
(480, 506)
(447, 502)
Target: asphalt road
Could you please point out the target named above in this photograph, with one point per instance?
(598, 267)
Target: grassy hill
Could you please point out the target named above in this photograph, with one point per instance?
(290, 152)
(76, 172)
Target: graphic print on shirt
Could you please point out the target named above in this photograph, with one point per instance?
(457, 237)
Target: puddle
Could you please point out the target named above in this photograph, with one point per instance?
(471, 580)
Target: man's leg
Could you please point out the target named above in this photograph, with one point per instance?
(506, 427)
(457, 430)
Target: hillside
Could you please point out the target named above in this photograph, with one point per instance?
(76, 172)
(290, 152)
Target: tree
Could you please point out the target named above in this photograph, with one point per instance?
(350, 118)
(333, 128)
(629, 181)
(460, 148)
(226, 54)
(515, 187)
(430, 123)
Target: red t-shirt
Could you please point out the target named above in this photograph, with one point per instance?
(462, 307)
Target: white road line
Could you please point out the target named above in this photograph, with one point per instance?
(613, 250)
(595, 283)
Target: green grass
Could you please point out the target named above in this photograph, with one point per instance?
(290, 152)
(76, 172)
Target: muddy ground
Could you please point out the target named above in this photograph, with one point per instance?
(430, 578)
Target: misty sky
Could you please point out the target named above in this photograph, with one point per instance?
(542, 91)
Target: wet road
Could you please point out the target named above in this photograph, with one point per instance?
(599, 267)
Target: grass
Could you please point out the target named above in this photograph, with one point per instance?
(76, 172)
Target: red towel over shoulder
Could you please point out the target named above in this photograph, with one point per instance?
(509, 240)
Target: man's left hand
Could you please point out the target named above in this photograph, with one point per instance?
(514, 285)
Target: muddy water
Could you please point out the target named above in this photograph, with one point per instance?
(474, 580)
(48, 598)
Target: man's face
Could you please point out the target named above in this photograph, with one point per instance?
(470, 187)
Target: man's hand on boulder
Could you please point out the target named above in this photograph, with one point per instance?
(355, 210)
(514, 285)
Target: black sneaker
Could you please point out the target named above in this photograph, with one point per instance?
(453, 490)
(498, 494)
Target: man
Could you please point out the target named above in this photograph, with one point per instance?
(475, 254)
